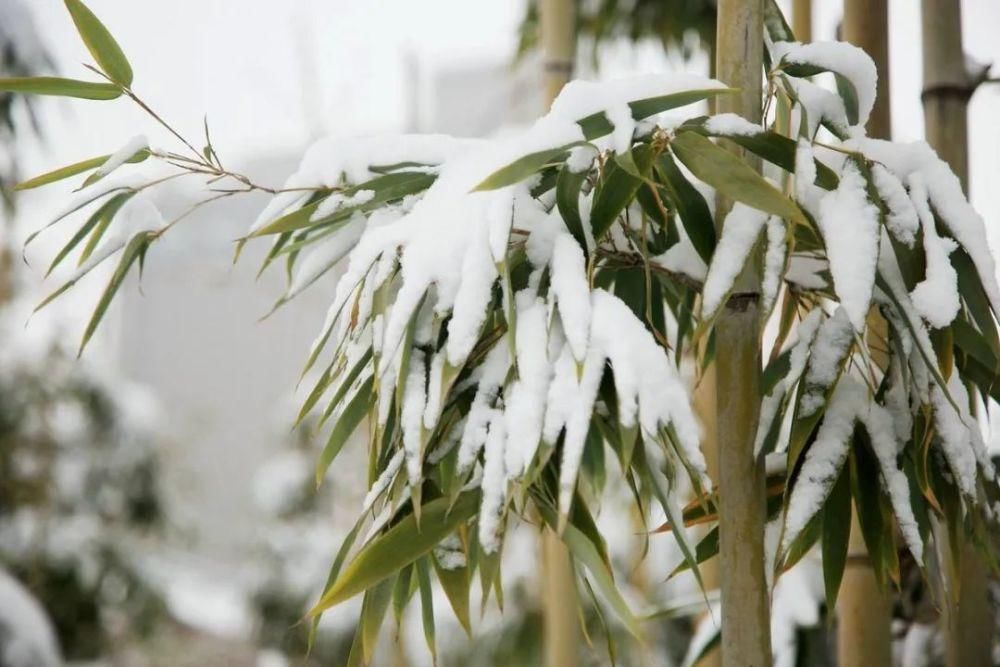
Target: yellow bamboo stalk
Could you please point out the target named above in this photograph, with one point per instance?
(802, 17)
(945, 99)
(746, 640)
(863, 608)
(559, 602)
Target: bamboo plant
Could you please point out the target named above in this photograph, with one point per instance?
(512, 315)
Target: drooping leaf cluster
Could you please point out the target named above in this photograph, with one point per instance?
(513, 317)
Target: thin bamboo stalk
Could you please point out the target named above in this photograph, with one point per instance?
(802, 17)
(946, 93)
(559, 603)
(746, 640)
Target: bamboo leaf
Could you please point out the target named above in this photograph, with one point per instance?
(59, 87)
(135, 249)
(401, 545)
(583, 550)
(427, 605)
(102, 215)
(597, 124)
(568, 187)
(100, 43)
(373, 612)
(780, 150)
(732, 177)
(63, 172)
(525, 166)
(456, 583)
(348, 422)
(695, 214)
(836, 531)
(615, 192)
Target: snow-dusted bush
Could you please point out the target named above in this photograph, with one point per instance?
(512, 316)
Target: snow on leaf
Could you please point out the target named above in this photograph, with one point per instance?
(902, 220)
(936, 296)
(948, 201)
(524, 411)
(805, 333)
(850, 226)
(845, 59)
(739, 234)
(827, 354)
(569, 283)
(774, 263)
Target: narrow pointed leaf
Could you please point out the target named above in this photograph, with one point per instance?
(348, 422)
(732, 177)
(399, 546)
(100, 43)
(59, 87)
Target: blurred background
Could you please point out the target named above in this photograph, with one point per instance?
(152, 494)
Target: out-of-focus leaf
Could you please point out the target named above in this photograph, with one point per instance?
(59, 87)
(732, 177)
(349, 420)
(100, 43)
(399, 546)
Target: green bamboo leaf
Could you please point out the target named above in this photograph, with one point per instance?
(615, 192)
(845, 88)
(105, 213)
(59, 87)
(692, 207)
(583, 550)
(338, 562)
(135, 249)
(401, 545)
(352, 416)
(836, 531)
(385, 189)
(427, 605)
(780, 150)
(63, 172)
(568, 187)
(402, 591)
(525, 166)
(866, 489)
(100, 43)
(456, 583)
(140, 155)
(732, 177)
(373, 611)
(597, 124)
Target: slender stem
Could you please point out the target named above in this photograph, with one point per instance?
(742, 515)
